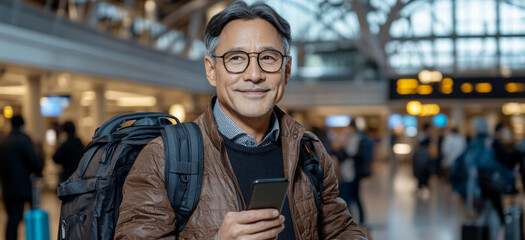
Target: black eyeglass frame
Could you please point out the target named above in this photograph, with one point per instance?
(249, 59)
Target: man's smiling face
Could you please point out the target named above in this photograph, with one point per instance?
(254, 92)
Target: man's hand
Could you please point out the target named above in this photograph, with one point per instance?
(251, 224)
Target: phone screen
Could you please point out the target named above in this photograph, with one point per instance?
(267, 193)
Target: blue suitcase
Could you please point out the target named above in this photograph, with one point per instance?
(37, 224)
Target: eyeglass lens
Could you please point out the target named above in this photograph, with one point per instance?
(238, 61)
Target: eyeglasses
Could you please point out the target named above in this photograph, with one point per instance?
(269, 61)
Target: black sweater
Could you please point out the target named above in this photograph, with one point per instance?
(251, 163)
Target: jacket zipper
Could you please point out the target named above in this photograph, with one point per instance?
(240, 198)
(241, 204)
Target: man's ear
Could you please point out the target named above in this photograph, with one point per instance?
(287, 70)
(209, 64)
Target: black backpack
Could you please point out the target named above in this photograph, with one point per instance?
(92, 195)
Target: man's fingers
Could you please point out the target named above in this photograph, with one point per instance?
(254, 224)
(265, 225)
(268, 233)
(251, 216)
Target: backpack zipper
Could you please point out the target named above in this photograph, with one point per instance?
(63, 226)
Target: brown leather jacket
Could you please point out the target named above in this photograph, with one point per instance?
(146, 213)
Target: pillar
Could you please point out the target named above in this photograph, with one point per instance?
(99, 107)
(159, 105)
(34, 121)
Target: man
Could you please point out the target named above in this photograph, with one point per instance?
(502, 153)
(421, 167)
(454, 145)
(70, 152)
(245, 137)
(519, 158)
(352, 160)
(18, 160)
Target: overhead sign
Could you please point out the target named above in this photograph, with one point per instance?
(461, 88)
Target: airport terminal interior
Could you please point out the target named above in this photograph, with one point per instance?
(401, 70)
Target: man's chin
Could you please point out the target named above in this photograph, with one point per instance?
(256, 112)
(253, 115)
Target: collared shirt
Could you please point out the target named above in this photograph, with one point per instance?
(229, 129)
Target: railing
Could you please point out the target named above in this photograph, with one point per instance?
(123, 22)
(36, 38)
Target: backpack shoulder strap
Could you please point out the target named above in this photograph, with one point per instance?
(309, 161)
(311, 165)
(184, 154)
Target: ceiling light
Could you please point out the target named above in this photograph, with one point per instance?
(178, 111)
(136, 102)
(13, 90)
(401, 148)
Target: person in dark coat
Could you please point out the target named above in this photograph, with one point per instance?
(503, 154)
(69, 153)
(351, 161)
(519, 158)
(421, 164)
(18, 160)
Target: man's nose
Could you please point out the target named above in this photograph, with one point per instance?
(253, 72)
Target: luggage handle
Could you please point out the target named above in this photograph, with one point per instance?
(115, 122)
(37, 184)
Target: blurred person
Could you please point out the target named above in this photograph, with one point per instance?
(393, 140)
(482, 134)
(322, 134)
(425, 133)
(18, 161)
(439, 156)
(475, 182)
(453, 146)
(351, 164)
(70, 152)
(246, 136)
(519, 158)
(421, 162)
(502, 152)
(492, 200)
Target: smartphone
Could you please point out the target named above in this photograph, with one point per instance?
(267, 193)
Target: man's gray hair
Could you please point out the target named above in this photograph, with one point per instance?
(241, 10)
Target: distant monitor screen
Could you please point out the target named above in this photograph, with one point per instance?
(53, 106)
(337, 121)
(410, 121)
(395, 121)
(440, 120)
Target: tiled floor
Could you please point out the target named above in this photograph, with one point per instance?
(393, 210)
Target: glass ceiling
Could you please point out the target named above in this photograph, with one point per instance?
(456, 37)
(343, 37)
